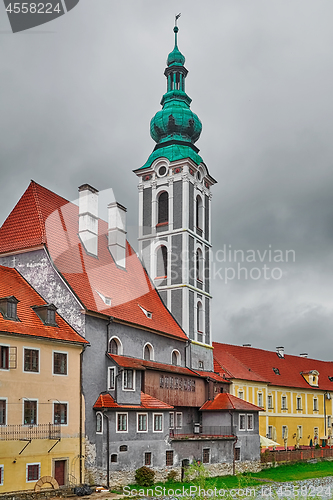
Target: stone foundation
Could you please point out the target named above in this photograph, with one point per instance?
(44, 494)
(122, 478)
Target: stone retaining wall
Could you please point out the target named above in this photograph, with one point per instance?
(44, 494)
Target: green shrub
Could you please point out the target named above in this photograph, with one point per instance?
(172, 476)
(144, 476)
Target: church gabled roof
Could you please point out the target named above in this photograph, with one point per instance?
(42, 217)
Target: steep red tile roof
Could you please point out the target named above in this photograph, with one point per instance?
(143, 364)
(42, 217)
(12, 283)
(215, 376)
(243, 362)
(147, 403)
(225, 401)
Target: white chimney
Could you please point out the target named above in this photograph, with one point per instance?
(280, 351)
(88, 218)
(117, 233)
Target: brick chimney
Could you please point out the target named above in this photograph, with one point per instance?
(88, 218)
(117, 233)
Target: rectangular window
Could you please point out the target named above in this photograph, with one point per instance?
(171, 420)
(329, 421)
(60, 363)
(4, 357)
(142, 422)
(250, 422)
(11, 310)
(2, 412)
(171, 382)
(166, 382)
(241, 394)
(300, 431)
(298, 403)
(284, 403)
(315, 404)
(31, 360)
(148, 458)
(128, 379)
(237, 453)
(270, 402)
(316, 431)
(260, 400)
(179, 420)
(161, 381)
(205, 455)
(33, 471)
(158, 422)
(270, 432)
(176, 382)
(242, 422)
(111, 379)
(60, 413)
(30, 412)
(284, 432)
(1, 475)
(169, 457)
(122, 422)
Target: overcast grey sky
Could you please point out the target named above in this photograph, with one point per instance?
(77, 96)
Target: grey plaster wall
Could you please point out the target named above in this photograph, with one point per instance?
(191, 315)
(192, 449)
(137, 442)
(176, 263)
(177, 204)
(201, 353)
(147, 208)
(191, 261)
(207, 218)
(177, 304)
(207, 270)
(134, 339)
(36, 267)
(207, 319)
(190, 207)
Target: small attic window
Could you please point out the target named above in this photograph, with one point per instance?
(46, 314)
(106, 300)
(8, 307)
(330, 379)
(276, 371)
(147, 313)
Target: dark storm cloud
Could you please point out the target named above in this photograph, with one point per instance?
(76, 105)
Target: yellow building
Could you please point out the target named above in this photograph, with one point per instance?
(295, 392)
(40, 399)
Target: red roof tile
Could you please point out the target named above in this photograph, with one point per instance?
(12, 283)
(225, 401)
(243, 362)
(42, 217)
(147, 403)
(143, 364)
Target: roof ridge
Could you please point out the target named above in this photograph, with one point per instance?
(39, 212)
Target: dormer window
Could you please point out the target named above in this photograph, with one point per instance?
(46, 314)
(8, 308)
(147, 313)
(311, 377)
(276, 371)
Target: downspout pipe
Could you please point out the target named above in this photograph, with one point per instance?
(81, 416)
(234, 444)
(107, 450)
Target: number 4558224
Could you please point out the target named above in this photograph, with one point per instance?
(33, 8)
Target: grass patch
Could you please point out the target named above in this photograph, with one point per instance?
(282, 473)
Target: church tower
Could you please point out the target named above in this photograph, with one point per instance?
(175, 213)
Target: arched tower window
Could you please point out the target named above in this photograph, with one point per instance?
(162, 262)
(148, 352)
(199, 213)
(99, 423)
(115, 346)
(175, 357)
(199, 265)
(163, 208)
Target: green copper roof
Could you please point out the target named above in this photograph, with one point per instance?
(175, 124)
(175, 57)
(173, 152)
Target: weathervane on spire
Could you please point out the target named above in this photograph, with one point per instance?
(176, 18)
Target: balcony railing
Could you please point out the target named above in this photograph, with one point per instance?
(29, 432)
(203, 431)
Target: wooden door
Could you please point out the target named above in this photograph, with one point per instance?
(59, 471)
